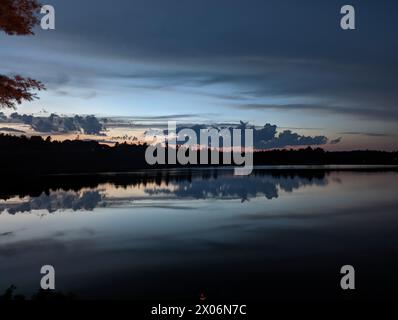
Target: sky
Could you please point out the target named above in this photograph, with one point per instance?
(286, 63)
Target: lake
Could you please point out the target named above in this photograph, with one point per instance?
(280, 233)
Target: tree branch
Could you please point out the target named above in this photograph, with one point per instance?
(16, 89)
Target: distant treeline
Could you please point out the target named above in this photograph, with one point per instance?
(35, 155)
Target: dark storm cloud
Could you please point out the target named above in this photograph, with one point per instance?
(258, 48)
(264, 48)
(230, 28)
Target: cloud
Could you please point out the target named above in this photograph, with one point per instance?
(369, 134)
(289, 138)
(58, 124)
(387, 114)
(336, 141)
(244, 52)
(166, 117)
(6, 234)
(12, 130)
(266, 137)
(85, 95)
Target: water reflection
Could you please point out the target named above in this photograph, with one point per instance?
(172, 235)
(244, 188)
(124, 191)
(56, 200)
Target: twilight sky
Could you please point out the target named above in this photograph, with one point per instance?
(282, 62)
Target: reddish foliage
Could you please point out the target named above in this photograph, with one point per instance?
(17, 17)
(15, 89)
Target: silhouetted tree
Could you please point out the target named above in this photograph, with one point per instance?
(17, 17)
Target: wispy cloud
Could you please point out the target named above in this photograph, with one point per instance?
(369, 134)
(386, 115)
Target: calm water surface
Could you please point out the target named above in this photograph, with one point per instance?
(272, 235)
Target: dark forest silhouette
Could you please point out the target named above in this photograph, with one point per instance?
(41, 295)
(38, 156)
